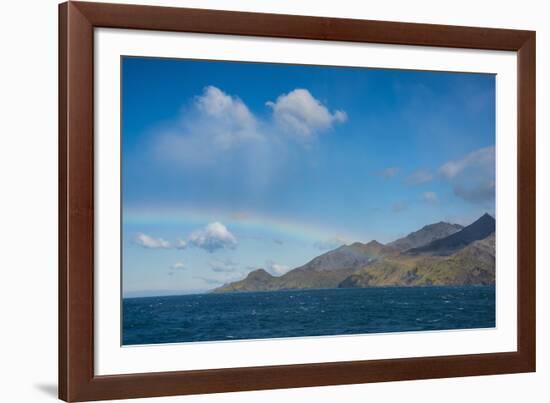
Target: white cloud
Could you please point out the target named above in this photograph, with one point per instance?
(222, 140)
(215, 102)
(213, 237)
(481, 157)
(430, 197)
(178, 266)
(180, 244)
(232, 117)
(300, 113)
(215, 123)
(149, 242)
(276, 269)
(419, 177)
(472, 176)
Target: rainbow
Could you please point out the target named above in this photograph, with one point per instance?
(250, 222)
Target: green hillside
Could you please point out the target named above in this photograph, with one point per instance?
(376, 265)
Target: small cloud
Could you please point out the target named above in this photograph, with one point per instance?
(224, 266)
(150, 242)
(180, 244)
(213, 237)
(178, 266)
(483, 156)
(399, 207)
(430, 197)
(275, 268)
(473, 176)
(298, 112)
(329, 244)
(419, 177)
(389, 173)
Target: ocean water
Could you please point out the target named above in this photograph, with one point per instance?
(258, 315)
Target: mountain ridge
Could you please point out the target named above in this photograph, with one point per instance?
(464, 256)
(479, 229)
(425, 235)
(472, 265)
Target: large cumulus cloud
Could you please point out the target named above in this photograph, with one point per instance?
(472, 176)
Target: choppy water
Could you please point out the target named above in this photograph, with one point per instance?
(257, 315)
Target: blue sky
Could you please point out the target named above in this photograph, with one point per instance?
(228, 167)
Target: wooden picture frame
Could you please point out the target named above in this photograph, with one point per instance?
(77, 381)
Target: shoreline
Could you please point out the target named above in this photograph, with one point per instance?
(212, 292)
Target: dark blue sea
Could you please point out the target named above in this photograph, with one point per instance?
(259, 315)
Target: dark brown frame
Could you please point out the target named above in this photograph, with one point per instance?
(77, 381)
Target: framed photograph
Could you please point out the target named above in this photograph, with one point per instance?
(257, 201)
